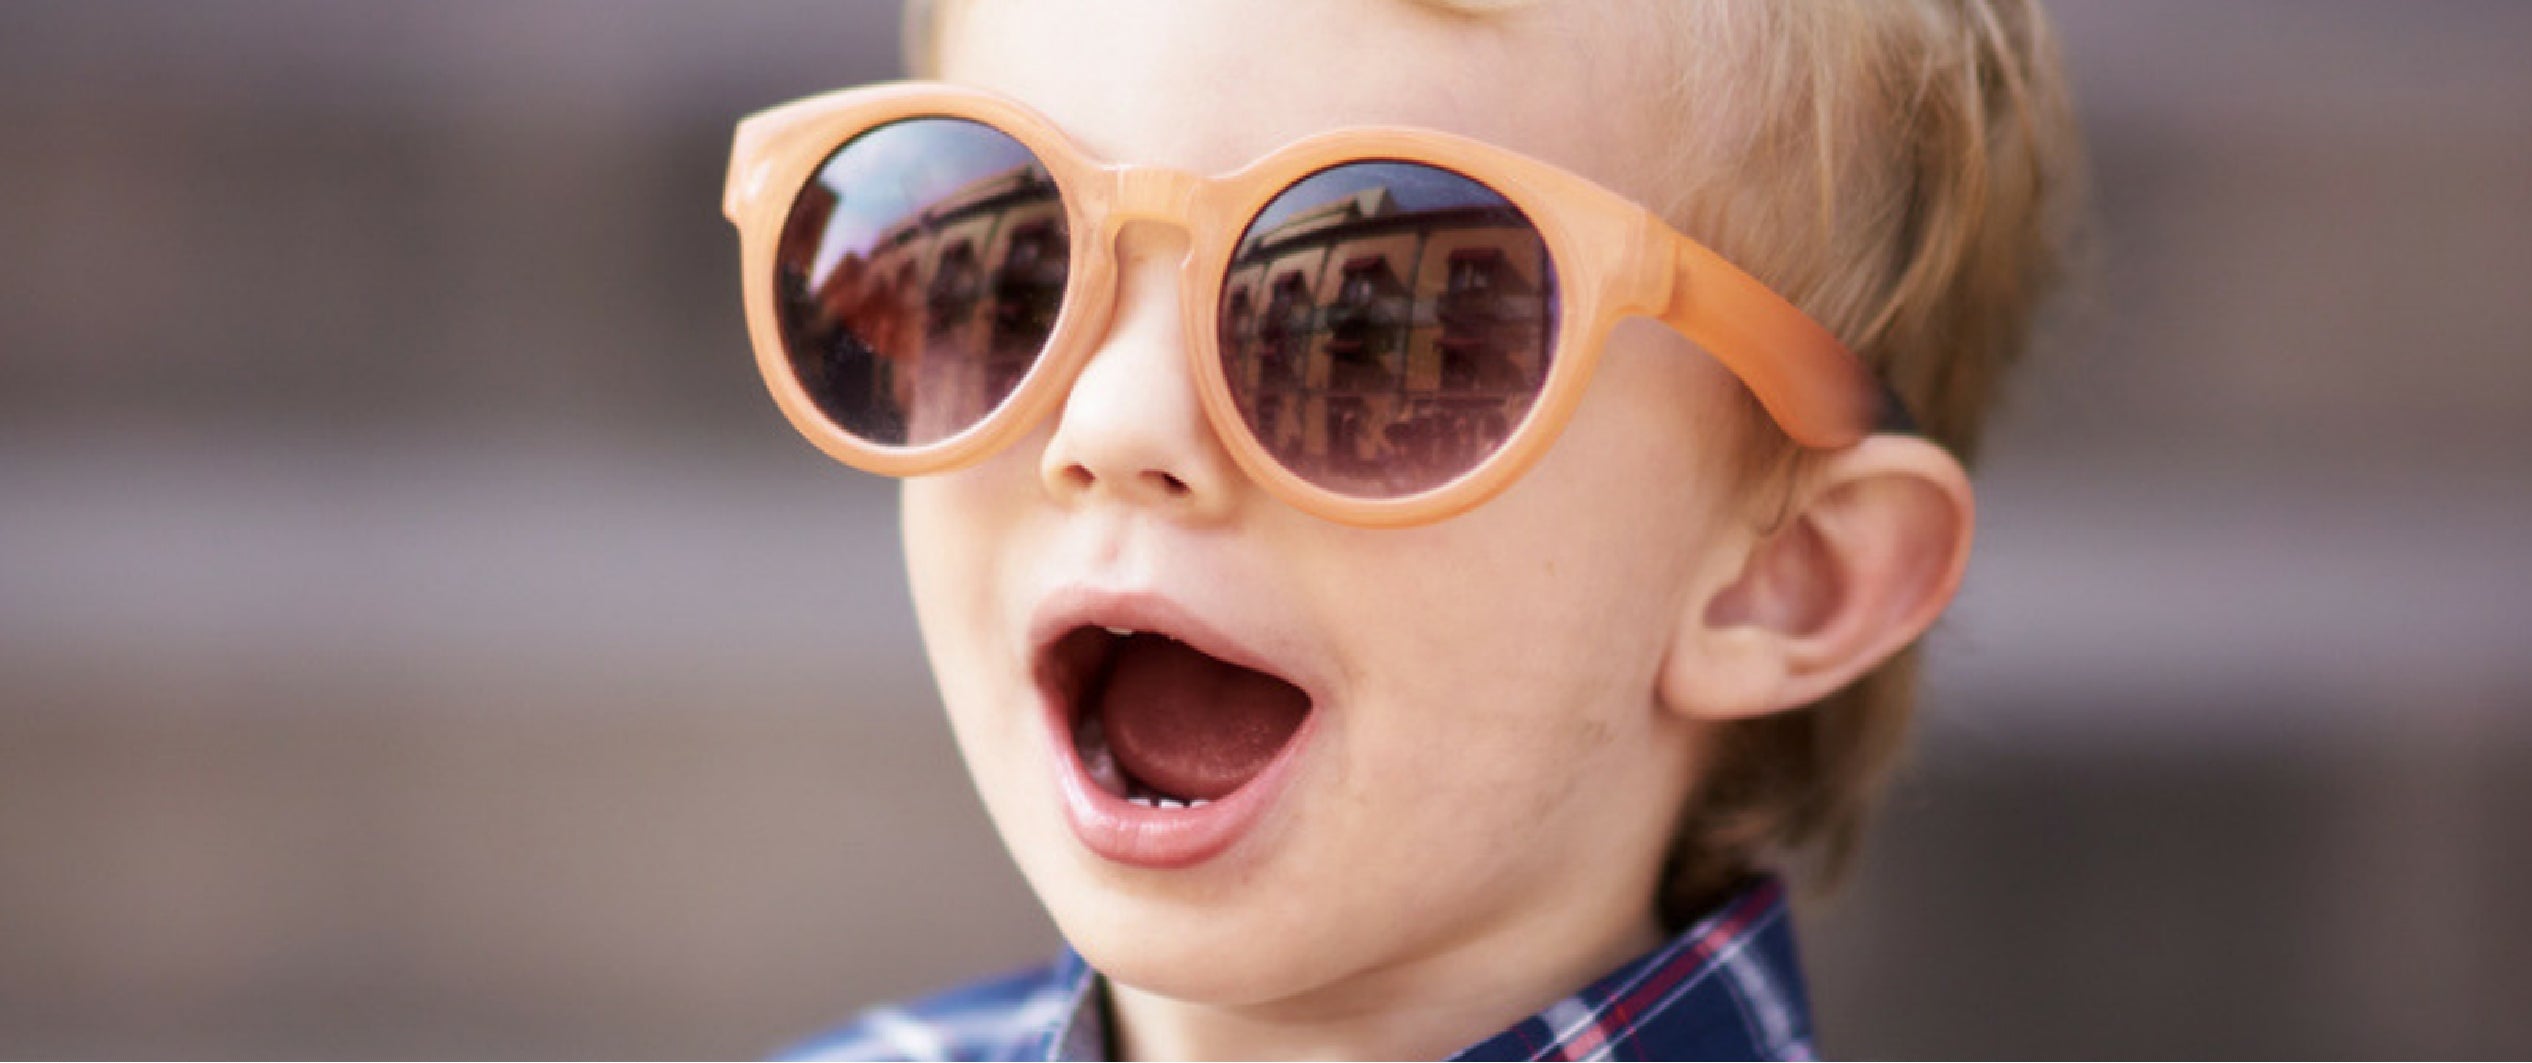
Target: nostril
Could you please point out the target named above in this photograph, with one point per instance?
(1078, 477)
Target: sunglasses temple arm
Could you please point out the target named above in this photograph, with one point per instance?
(1777, 350)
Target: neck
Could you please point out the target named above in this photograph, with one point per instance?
(1426, 1008)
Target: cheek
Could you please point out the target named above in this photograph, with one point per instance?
(1498, 661)
(959, 530)
(1586, 560)
(1501, 706)
(947, 563)
(1510, 654)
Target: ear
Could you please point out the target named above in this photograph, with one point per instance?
(1870, 551)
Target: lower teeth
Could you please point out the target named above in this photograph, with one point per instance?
(1091, 738)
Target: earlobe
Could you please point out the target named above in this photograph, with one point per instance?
(1870, 552)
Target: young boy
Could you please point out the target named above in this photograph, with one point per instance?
(1362, 649)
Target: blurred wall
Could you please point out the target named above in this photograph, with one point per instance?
(419, 635)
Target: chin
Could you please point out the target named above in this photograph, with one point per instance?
(1217, 951)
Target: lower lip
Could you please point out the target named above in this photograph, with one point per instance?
(1163, 838)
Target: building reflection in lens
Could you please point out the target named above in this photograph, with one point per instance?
(918, 277)
(1385, 325)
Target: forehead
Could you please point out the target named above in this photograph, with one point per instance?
(1207, 85)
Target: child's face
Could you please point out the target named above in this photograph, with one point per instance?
(1486, 776)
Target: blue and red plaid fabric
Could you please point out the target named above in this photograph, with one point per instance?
(1730, 987)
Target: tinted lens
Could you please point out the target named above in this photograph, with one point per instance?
(918, 276)
(1385, 325)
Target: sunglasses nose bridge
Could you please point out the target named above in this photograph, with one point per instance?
(1151, 194)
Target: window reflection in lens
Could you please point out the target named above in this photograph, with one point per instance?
(1385, 325)
(917, 278)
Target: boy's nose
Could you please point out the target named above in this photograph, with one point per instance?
(1132, 430)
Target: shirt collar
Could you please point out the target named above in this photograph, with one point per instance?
(1082, 1032)
(1728, 987)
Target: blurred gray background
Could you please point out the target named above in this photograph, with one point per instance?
(419, 635)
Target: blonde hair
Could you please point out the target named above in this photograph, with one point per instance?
(1908, 172)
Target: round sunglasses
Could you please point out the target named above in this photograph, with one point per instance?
(1386, 326)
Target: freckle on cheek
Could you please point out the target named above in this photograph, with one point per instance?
(1596, 732)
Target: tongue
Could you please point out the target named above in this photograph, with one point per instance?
(1192, 726)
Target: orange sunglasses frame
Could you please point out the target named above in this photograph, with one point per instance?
(1614, 259)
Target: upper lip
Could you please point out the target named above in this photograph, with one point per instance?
(1073, 607)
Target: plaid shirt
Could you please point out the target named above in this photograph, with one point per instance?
(1728, 988)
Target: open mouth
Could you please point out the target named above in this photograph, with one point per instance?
(1163, 725)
